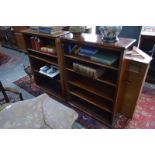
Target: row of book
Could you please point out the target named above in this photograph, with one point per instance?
(50, 71)
(88, 71)
(48, 49)
(93, 54)
(37, 45)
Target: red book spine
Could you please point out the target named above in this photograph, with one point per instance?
(32, 42)
(39, 44)
(36, 43)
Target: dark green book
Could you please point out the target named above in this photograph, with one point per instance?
(104, 58)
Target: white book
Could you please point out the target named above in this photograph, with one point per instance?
(50, 75)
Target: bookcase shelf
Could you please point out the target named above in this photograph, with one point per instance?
(44, 60)
(52, 87)
(97, 96)
(56, 79)
(102, 93)
(98, 103)
(43, 51)
(80, 58)
(91, 111)
(106, 78)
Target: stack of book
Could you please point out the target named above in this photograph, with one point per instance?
(105, 58)
(83, 51)
(50, 29)
(88, 71)
(48, 49)
(34, 28)
(50, 71)
(87, 52)
(36, 43)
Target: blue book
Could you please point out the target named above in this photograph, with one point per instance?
(88, 51)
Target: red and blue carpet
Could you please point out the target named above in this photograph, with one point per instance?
(4, 58)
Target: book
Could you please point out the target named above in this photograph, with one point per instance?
(32, 43)
(88, 71)
(70, 47)
(104, 58)
(87, 50)
(50, 29)
(84, 54)
(50, 71)
(77, 50)
(48, 49)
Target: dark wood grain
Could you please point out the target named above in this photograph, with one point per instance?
(96, 40)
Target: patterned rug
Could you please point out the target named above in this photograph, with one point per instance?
(144, 116)
(4, 58)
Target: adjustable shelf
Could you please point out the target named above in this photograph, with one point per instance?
(80, 58)
(105, 78)
(43, 60)
(94, 90)
(42, 53)
(90, 99)
(91, 111)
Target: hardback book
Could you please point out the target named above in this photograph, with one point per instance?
(104, 58)
(50, 71)
(48, 49)
(88, 71)
(74, 49)
(86, 50)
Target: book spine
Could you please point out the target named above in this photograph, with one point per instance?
(100, 60)
(32, 42)
(84, 70)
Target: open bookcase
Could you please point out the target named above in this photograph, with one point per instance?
(100, 79)
(45, 61)
(93, 74)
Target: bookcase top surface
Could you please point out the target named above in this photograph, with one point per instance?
(33, 32)
(122, 43)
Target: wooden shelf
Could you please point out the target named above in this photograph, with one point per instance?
(52, 87)
(92, 100)
(58, 80)
(41, 59)
(90, 88)
(80, 58)
(92, 113)
(110, 81)
(50, 91)
(43, 53)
